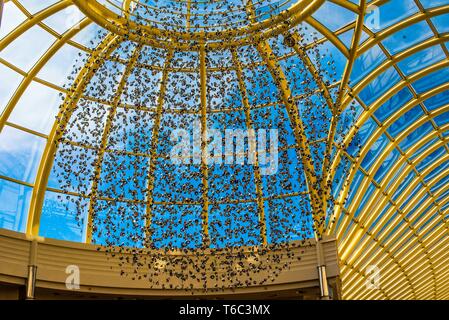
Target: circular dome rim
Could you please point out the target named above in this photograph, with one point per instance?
(189, 41)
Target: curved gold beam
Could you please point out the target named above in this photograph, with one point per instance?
(153, 148)
(372, 140)
(249, 126)
(326, 179)
(204, 146)
(356, 89)
(98, 163)
(104, 49)
(321, 28)
(418, 17)
(244, 36)
(34, 20)
(410, 259)
(365, 115)
(42, 60)
(357, 259)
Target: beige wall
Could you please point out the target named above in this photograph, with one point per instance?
(100, 273)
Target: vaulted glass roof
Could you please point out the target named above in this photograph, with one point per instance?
(90, 92)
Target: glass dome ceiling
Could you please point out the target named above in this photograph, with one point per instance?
(151, 66)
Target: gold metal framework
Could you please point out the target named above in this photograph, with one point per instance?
(401, 231)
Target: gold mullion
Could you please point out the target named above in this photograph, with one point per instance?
(420, 16)
(109, 43)
(363, 188)
(327, 175)
(357, 259)
(153, 147)
(415, 96)
(104, 140)
(189, 7)
(28, 78)
(33, 20)
(283, 87)
(367, 114)
(370, 254)
(299, 132)
(23, 183)
(249, 126)
(204, 147)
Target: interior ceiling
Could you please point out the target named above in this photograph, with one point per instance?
(391, 212)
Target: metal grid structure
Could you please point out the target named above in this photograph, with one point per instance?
(391, 212)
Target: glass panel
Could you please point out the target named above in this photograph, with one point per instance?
(178, 226)
(20, 153)
(10, 82)
(379, 86)
(416, 135)
(357, 180)
(63, 64)
(393, 104)
(431, 81)
(366, 196)
(334, 16)
(441, 23)
(65, 19)
(442, 119)
(14, 205)
(34, 6)
(388, 163)
(234, 224)
(422, 59)
(37, 108)
(394, 11)
(375, 152)
(64, 217)
(437, 101)
(435, 155)
(437, 171)
(23, 52)
(404, 184)
(405, 121)
(423, 148)
(407, 37)
(90, 36)
(12, 17)
(433, 3)
(366, 63)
